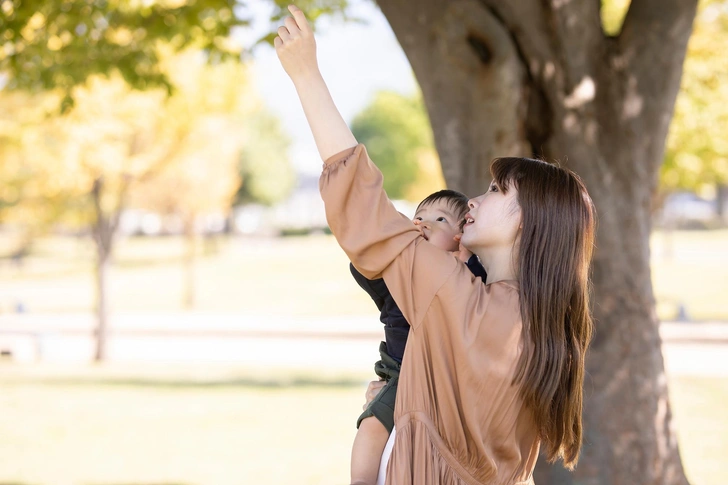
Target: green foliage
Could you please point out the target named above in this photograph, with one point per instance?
(206, 113)
(31, 193)
(612, 15)
(61, 43)
(266, 173)
(395, 129)
(313, 8)
(180, 153)
(697, 146)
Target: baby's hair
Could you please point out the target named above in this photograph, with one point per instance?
(456, 200)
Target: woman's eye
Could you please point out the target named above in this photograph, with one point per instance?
(418, 218)
(493, 188)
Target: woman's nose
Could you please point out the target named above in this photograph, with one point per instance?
(475, 201)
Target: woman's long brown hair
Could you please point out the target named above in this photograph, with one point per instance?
(553, 259)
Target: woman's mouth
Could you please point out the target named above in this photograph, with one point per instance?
(468, 220)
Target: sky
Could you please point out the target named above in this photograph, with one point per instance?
(356, 60)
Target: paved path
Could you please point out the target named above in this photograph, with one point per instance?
(277, 342)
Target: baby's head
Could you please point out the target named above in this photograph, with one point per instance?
(440, 216)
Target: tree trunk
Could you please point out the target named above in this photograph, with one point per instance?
(466, 67)
(103, 230)
(102, 313)
(721, 202)
(540, 78)
(23, 248)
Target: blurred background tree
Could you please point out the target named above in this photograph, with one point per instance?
(266, 175)
(696, 157)
(118, 148)
(138, 125)
(31, 198)
(61, 44)
(219, 122)
(50, 44)
(396, 131)
(113, 139)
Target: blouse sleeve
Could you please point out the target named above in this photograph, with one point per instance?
(379, 241)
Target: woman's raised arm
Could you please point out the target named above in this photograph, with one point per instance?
(296, 49)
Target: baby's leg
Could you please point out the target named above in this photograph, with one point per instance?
(367, 451)
(375, 424)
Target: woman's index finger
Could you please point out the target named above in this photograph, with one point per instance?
(300, 18)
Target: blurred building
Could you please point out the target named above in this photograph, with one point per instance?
(686, 210)
(301, 213)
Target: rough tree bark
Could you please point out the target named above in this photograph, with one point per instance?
(535, 77)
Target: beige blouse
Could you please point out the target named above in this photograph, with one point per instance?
(459, 418)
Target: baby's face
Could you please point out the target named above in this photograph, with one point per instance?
(439, 224)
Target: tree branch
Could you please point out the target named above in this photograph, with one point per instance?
(651, 50)
(99, 228)
(558, 39)
(658, 28)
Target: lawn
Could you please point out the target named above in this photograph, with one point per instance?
(296, 276)
(103, 427)
(289, 276)
(702, 427)
(113, 426)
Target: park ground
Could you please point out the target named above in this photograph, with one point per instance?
(247, 405)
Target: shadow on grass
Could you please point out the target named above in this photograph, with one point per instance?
(234, 383)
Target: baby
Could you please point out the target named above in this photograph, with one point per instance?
(440, 218)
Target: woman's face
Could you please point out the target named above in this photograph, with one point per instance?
(493, 221)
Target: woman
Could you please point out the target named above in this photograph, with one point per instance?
(491, 371)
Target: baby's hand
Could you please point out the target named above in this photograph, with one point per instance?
(296, 46)
(462, 253)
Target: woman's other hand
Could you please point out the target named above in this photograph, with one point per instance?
(372, 391)
(462, 253)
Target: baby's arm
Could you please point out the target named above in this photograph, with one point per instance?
(296, 49)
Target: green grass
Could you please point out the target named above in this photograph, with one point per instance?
(698, 406)
(109, 428)
(289, 276)
(691, 267)
(102, 427)
(296, 276)
(60, 430)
